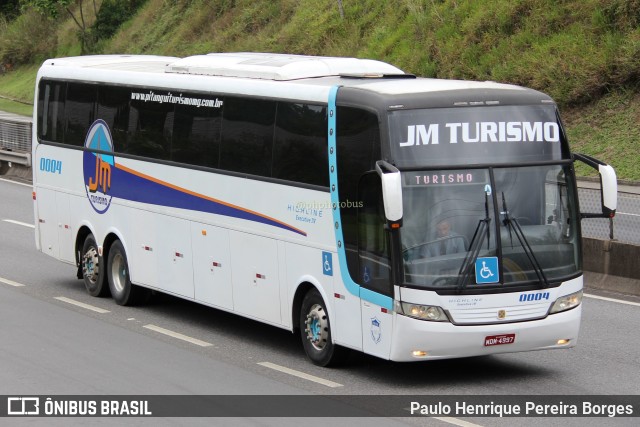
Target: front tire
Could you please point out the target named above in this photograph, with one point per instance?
(315, 331)
(122, 290)
(93, 269)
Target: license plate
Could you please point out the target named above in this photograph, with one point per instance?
(499, 339)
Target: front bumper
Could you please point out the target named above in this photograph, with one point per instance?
(439, 340)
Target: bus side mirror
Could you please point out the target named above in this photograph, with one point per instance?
(391, 192)
(608, 186)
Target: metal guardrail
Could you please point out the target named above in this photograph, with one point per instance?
(624, 227)
(15, 138)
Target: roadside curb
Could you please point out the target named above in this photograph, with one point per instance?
(609, 282)
(607, 256)
(14, 172)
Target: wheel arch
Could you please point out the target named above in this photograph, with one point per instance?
(305, 285)
(83, 231)
(111, 237)
(81, 236)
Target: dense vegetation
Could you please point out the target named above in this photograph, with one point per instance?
(584, 53)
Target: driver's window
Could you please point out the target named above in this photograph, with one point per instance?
(374, 271)
(556, 209)
(449, 217)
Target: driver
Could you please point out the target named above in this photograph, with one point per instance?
(447, 242)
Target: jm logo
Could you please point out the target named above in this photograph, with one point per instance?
(419, 134)
(102, 177)
(23, 406)
(98, 167)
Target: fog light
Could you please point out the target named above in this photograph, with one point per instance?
(419, 353)
(563, 342)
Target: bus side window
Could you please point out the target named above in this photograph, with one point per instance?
(358, 147)
(196, 135)
(150, 128)
(80, 112)
(247, 135)
(374, 257)
(51, 111)
(301, 139)
(113, 108)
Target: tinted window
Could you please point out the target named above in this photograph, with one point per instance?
(373, 246)
(358, 147)
(150, 127)
(239, 135)
(79, 112)
(300, 149)
(51, 111)
(196, 135)
(113, 108)
(247, 135)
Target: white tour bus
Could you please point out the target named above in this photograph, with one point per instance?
(407, 218)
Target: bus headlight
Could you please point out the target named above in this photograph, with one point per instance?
(566, 302)
(424, 312)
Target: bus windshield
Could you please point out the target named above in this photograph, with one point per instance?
(524, 218)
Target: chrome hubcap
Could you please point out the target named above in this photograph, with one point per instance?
(91, 265)
(317, 327)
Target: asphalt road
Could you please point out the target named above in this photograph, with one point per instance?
(52, 345)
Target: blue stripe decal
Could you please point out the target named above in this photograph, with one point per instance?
(352, 287)
(131, 185)
(376, 298)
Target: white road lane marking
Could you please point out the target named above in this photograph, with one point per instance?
(299, 374)
(619, 301)
(624, 213)
(178, 335)
(83, 305)
(16, 182)
(11, 282)
(24, 224)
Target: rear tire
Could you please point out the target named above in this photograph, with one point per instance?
(315, 331)
(122, 290)
(92, 266)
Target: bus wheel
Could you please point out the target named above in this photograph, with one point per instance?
(122, 290)
(92, 269)
(316, 332)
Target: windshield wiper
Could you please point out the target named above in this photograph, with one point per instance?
(484, 231)
(512, 224)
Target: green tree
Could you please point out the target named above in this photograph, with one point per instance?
(111, 15)
(53, 8)
(10, 9)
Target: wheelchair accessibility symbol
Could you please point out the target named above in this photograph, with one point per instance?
(487, 270)
(327, 263)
